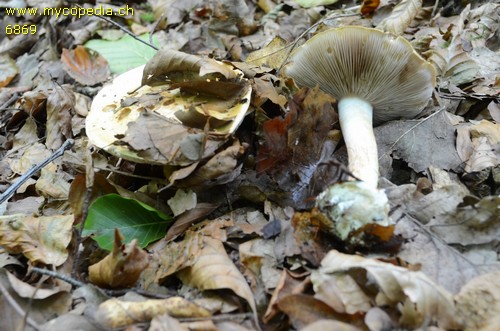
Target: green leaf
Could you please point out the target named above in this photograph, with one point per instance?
(134, 219)
(125, 53)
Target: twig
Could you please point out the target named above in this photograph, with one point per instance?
(124, 29)
(50, 273)
(19, 310)
(58, 153)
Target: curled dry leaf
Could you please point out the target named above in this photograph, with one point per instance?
(85, 66)
(394, 286)
(369, 6)
(41, 239)
(401, 16)
(453, 64)
(213, 269)
(8, 69)
(114, 313)
(120, 268)
(273, 55)
(470, 224)
(479, 302)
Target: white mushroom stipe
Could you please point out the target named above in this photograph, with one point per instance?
(355, 116)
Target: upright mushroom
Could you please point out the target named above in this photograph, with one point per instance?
(376, 77)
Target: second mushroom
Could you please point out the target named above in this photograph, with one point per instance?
(376, 77)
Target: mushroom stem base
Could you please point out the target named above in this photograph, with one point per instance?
(355, 116)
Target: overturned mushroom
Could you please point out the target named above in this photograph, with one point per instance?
(375, 77)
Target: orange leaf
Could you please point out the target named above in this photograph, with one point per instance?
(85, 66)
(369, 6)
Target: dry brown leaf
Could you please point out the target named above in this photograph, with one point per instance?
(324, 324)
(28, 157)
(304, 309)
(60, 104)
(454, 66)
(401, 16)
(470, 224)
(369, 6)
(120, 268)
(479, 302)
(213, 269)
(421, 143)
(273, 55)
(289, 283)
(52, 183)
(41, 239)
(8, 70)
(114, 313)
(395, 285)
(85, 66)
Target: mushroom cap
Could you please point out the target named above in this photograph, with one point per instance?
(378, 67)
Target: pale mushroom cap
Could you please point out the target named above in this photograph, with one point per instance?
(367, 63)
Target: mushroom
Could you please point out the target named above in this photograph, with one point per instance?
(375, 76)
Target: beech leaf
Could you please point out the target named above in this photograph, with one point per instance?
(429, 302)
(84, 65)
(401, 17)
(134, 219)
(41, 239)
(120, 268)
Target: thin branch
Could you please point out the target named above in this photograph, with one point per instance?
(124, 29)
(20, 181)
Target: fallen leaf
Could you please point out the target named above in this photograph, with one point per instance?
(25, 290)
(288, 283)
(369, 6)
(182, 201)
(420, 143)
(85, 66)
(120, 268)
(8, 68)
(115, 313)
(393, 285)
(401, 17)
(304, 309)
(479, 302)
(60, 104)
(213, 269)
(41, 239)
(470, 224)
(273, 55)
(134, 219)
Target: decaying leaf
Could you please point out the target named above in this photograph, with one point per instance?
(314, 3)
(213, 269)
(273, 55)
(294, 146)
(182, 201)
(86, 66)
(453, 64)
(422, 143)
(390, 285)
(41, 239)
(401, 17)
(470, 224)
(8, 68)
(369, 6)
(120, 268)
(60, 104)
(114, 313)
(479, 302)
(304, 309)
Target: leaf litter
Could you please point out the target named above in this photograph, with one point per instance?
(246, 250)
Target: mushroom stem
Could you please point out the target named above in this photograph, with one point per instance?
(355, 116)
